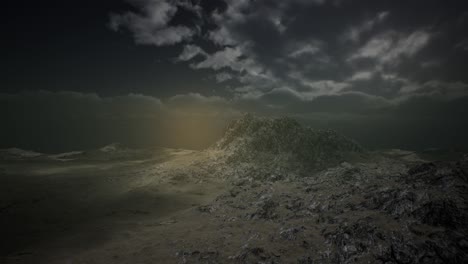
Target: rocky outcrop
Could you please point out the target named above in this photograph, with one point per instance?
(284, 141)
(384, 211)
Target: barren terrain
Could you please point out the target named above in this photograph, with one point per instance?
(229, 204)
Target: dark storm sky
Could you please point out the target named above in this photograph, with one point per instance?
(390, 73)
(68, 45)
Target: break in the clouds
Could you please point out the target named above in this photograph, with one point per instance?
(312, 48)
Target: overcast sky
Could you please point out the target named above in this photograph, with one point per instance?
(389, 73)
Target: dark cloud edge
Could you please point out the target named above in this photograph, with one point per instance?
(275, 102)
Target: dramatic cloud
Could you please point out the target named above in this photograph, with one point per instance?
(389, 47)
(151, 26)
(353, 65)
(364, 75)
(308, 48)
(355, 32)
(227, 58)
(338, 64)
(190, 52)
(223, 76)
(440, 89)
(323, 87)
(221, 36)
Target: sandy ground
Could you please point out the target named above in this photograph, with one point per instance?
(179, 206)
(65, 212)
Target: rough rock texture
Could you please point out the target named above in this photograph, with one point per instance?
(288, 194)
(379, 212)
(284, 141)
(382, 210)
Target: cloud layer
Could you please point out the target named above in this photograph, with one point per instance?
(362, 67)
(64, 121)
(311, 48)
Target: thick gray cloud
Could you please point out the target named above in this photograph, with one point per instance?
(355, 32)
(190, 52)
(314, 48)
(364, 67)
(390, 47)
(151, 25)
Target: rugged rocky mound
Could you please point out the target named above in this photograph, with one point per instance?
(379, 212)
(284, 140)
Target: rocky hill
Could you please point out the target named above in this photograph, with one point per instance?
(285, 141)
(270, 191)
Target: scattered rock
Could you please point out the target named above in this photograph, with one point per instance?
(309, 206)
(265, 208)
(444, 213)
(255, 255)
